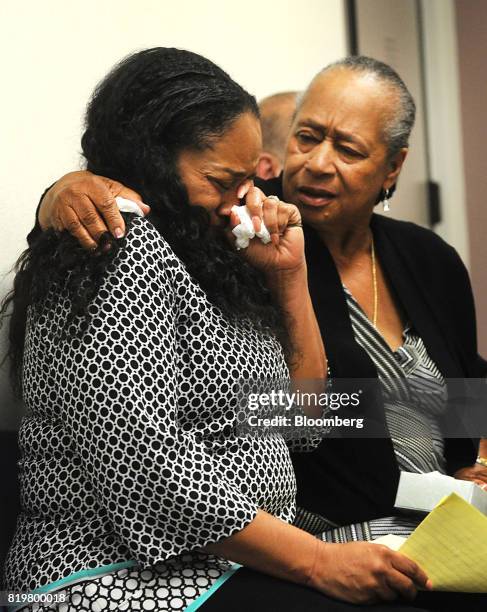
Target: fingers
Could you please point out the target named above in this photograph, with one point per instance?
(71, 222)
(397, 575)
(90, 210)
(244, 188)
(118, 189)
(253, 200)
(271, 218)
(86, 207)
(276, 215)
(288, 216)
(480, 474)
(401, 585)
(482, 483)
(411, 569)
(234, 219)
(106, 216)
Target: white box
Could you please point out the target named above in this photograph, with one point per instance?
(421, 492)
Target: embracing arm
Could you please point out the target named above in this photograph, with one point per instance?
(84, 204)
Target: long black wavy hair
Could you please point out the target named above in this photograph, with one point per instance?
(150, 107)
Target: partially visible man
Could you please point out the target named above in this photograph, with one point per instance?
(276, 114)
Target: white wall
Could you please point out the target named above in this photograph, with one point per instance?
(54, 52)
(444, 120)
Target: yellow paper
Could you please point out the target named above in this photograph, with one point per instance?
(451, 546)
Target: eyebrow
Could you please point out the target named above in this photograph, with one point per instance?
(340, 134)
(235, 173)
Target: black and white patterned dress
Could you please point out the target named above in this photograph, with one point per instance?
(412, 417)
(128, 458)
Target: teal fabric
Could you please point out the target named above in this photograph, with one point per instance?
(214, 587)
(88, 573)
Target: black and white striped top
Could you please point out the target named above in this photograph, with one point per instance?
(415, 396)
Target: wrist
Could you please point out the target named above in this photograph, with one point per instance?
(288, 280)
(481, 461)
(320, 566)
(309, 578)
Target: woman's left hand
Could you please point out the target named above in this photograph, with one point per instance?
(475, 473)
(285, 252)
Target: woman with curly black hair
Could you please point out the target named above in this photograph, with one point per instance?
(135, 488)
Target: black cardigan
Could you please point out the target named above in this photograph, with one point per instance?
(351, 480)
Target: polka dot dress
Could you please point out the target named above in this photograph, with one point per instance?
(127, 447)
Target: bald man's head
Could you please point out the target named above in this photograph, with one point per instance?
(276, 113)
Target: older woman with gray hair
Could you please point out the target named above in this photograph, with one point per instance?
(392, 299)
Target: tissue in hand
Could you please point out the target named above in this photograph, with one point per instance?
(129, 206)
(244, 231)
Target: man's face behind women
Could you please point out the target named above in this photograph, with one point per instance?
(212, 176)
(337, 162)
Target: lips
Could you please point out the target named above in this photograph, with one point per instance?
(316, 196)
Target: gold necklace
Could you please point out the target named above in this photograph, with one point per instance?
(374, 282)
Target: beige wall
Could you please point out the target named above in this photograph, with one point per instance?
(389, 31)
(55, 51)
(471, 17)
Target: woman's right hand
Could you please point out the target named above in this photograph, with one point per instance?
(285, 252)
(365, 573)
(84, 204)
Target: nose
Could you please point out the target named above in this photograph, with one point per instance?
(232, 197)
(321, 159)
(229, 199)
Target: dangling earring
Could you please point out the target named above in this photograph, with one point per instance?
(385, 200)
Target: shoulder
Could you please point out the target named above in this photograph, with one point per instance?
(418, 243)
(145, 251)
(405, 230)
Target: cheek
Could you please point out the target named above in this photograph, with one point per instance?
(356, 178)
(295, 161)
(202, 194)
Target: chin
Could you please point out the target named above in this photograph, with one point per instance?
(317, 216)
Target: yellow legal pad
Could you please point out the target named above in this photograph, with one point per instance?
(451, 546)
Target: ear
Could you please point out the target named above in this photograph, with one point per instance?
(395, 167)
(268, 166)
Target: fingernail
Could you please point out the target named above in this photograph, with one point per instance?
(257, 223)
(243, 190)
(117, 232)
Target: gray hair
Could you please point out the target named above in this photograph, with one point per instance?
(398, 128)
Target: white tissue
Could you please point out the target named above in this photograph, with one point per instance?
(129, 206)
(244, 231)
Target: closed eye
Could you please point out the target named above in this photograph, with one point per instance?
(348, 151)
(219, 184)
(306, 138)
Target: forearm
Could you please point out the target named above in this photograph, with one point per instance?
(273, 547)
(483, 448)
(308, 357)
